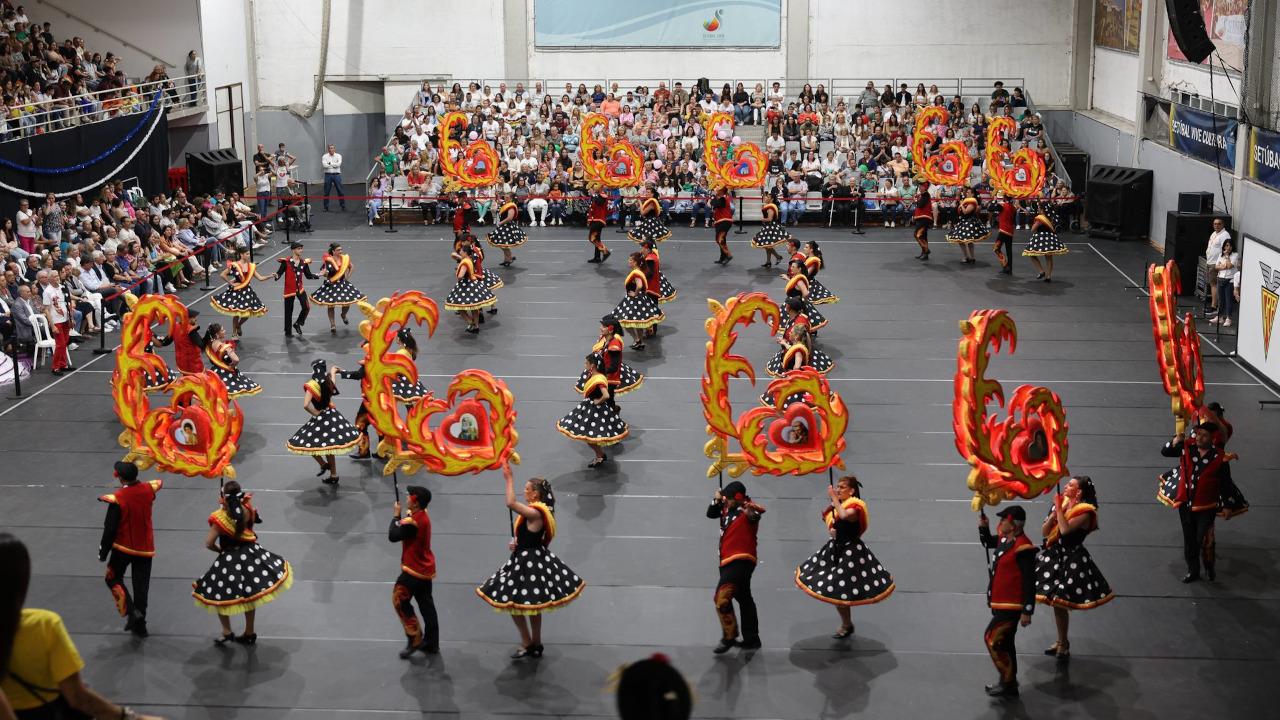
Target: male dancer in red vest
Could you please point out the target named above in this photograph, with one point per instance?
(186, 345)
(722, 213)
(1008, 213)
(293, 269)
(128, 540)
(417, 568)
(1011, 593)
(597, 218)
(1195, 488)
(739, 521)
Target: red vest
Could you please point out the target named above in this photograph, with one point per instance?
(1005, 590)
(187, 353)
(724, 211)
(460, 223)
(293, 274)
(651, 273)
(924, 206)
(416, 557)
(737, 538)
(611, 351)
(599, 210)
(1206, 494)
(1008, 214)
(133, 534)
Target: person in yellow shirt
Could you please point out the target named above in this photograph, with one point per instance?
(39, 665)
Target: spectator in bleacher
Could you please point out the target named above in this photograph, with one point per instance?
(794, 206)
(28, 230)
(332, 163)
(999, 96)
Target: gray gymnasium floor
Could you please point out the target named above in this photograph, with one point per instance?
(636, 532)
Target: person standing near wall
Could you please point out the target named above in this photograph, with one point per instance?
(1212, 255)
(332, 162)
(193, 66)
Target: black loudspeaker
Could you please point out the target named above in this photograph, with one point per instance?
(1195, 202)
(215, 170)
(1187, 24)
(1076, 164)
(1118, 202)
(1186, 237)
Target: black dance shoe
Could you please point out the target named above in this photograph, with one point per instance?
(229, 637)
(331, 480)
(1003, 689)
(410, 649)
(297, 328)
(1190, 577)
(845, 631)
(1209, 573)
(596, 259)
(323, 470)
(1040, 276)
(360, 456)
(606, 255)
(250, 639)
(725, 645)
(752, 644)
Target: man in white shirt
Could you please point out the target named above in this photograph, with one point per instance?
(55, 310)
(127, 233)
(1213, 254)
(332, 162)
(775, 142)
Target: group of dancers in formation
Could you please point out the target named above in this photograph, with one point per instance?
(844, 572)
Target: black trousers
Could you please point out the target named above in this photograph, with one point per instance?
(999, 639)
(735, 584)
(408, 588)
(1004, 249)
(1196, 524)
(135, 605)
(304, 304)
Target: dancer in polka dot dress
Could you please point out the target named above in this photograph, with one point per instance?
(1044, 241)
(239, 301)
(785, 359)
(403, 390)
(639, 310)
(327, 434)
(798, 287)
(533, 581)
(844, 572)
(796, 352)
(468, 245)
(969, 229)
(224, 362)
(771, 235)
(1066, 577)
(244, 577)
(337, 290)
(595, 420)
(622, 377)
(650, 226)
(508, 233)
(813, 262)
(659, 286)
(469, 295)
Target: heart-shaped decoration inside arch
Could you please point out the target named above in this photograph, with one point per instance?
(921, 138)
(830, 415)
(728, 165)
(480, 164)
(622, 165)
(1026, 175)
(410, 439)
(476, 165)
(1021, 456)
(467, 425)
(199, 432)
(796, 430)
(1177, 345)
(950, 166)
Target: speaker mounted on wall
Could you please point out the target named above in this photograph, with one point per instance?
(1187, 23)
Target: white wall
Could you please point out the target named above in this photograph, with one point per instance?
(225, 32)
(1115, 83)
(1194, 79)
(373, 38)
(959, 38)
(167, 29)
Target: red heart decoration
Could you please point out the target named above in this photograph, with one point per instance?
(621, 165)
(780, 430)
(481, 153)
(467, 425)
(189, 427)
(1026, 177)
(949, 167)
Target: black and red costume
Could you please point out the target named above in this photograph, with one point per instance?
(1011, 593)
(417, 570)
(597, 218)
(186, 348)
(128, 541)
(1007, 215)
(738, 530)
(362, 415)
(722, 216)
(461, 224)
(293, 271)
(1200, 487)
(922, 218)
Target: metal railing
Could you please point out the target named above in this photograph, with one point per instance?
(1059, 168)
(26, 119)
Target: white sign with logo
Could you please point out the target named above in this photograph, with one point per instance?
(1259, 292)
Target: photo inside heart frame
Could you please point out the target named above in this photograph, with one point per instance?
(798, 430)
(467, 425)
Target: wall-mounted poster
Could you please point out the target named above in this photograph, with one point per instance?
(658, 23)
(1115, 24)
(1225, 21)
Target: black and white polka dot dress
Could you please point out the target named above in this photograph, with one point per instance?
(819, 294)
(816, 319)
(533, 580)
(844, 571)
(508, 234)
(469, 293)
(238, 384)
(244, 302)
(160, 380)
(1066, 575)
(628, 379)
(328, 433)
(969, 228)
(244, 576)
(772, 233)
(597, 424)
(638, 311)
(407, 392)
(818, 360)
(333, 292)
(488, 277)
(650, 226)
(1044, 239)
(666, 288)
